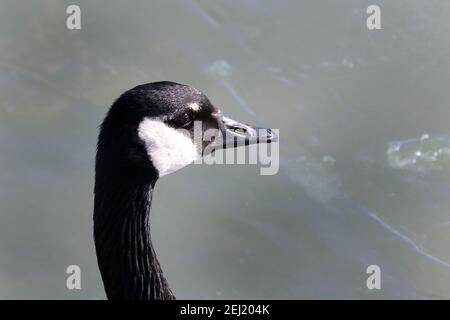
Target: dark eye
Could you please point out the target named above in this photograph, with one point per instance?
(184, 120)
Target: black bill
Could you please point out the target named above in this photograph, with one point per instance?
(235, 133)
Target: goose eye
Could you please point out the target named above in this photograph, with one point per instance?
(184, 120)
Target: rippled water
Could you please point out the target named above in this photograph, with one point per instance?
(420, 155)
(365, 148)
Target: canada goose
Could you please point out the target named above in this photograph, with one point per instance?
(139, 142)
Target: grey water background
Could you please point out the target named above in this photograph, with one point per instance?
(364, 129)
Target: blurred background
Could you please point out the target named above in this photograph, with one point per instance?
(365, 145)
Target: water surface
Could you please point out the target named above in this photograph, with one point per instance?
(365, 148)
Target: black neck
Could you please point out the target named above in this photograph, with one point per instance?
(126, 258)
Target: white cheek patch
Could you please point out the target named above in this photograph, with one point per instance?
(194, 106)
(168, 148)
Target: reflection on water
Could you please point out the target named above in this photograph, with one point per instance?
(361, 181)
(421, 155)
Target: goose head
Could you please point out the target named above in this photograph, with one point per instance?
(153, 130)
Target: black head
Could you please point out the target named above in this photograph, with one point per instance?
(149, 130)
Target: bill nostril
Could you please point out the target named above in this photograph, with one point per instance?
(237, 129)
(240, 130)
